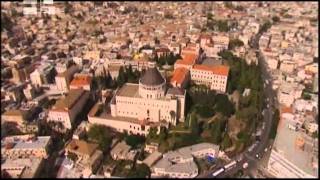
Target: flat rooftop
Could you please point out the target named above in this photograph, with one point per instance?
(129, 90)
(212, 61)
(302, 158)
(67, 103)
(18, 143)
(28, 166)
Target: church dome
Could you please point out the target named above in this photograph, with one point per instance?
(152, 77)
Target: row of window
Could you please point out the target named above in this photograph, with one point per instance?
(151, 88)
(143, 103)
(128, 113)
(206, 73)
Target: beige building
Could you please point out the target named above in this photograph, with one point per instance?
(136, 107)
(14, 116)
(180, 163)
(63, 79)
(22, 167)
(123, 151)
(87, 154)
(66, 109)
(214, 77)
(25, 146)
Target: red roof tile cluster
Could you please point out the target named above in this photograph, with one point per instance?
(179, 75)
(220, 69)
(81, 80)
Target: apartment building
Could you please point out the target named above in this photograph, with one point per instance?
(64, 78)
(25, 146)
(180, 164)
(83, 81)
(88, 155)
(294, 154)
(41, 75)
(22, 167)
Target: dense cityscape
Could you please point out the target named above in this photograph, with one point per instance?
(159, 89)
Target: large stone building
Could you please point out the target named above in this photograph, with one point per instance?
(25, 146)
(136, 107)
(66, 109)
(215, 77)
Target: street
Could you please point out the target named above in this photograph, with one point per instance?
(250, 157)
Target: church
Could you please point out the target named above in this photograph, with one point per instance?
(137, 107)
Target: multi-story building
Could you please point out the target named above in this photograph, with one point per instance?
(25, 146)
(41, 75)
(135, 107)
(63, 79)
(67, 108)
(180, 164)
(22, 167)
(180, 77)
(214, 77)
(288, 92)
(87, 154)
(294, 154)
(81, 81)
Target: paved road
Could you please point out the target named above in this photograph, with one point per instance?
(270, 94)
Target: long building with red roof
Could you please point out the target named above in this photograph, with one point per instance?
(215, 77)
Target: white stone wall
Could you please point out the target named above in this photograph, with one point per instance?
(60, 116)
(61, 83)
(120, 126)
(151, 92)
(214, 81)
(138, 108)
(35, 78)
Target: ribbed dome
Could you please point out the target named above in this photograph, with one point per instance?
(152, 77)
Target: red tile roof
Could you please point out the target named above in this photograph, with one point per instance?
(220, 69)
(81, 80)
(179, 75)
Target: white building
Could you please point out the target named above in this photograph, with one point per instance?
(40, 75)
(25, 146)
(215, 77)
(294, 154)
(135, 107)
(66, 109)
(180, 164)
(288, 92)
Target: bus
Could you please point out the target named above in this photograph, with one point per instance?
(230, 165)
(218, 172)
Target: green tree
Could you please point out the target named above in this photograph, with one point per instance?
(233, 43)
(163, 134)
(217, 129)
(209, 16)
(140, 171)
(226, 142)
(205, 111)
(224, 105)
(134, 140)
(152, 135)
(121, 80)
(101, 135)
(275, 122)
(194, 124)
(247, 114)
(275, 19)
(315, 135)
(265, 27)
(243, 137)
